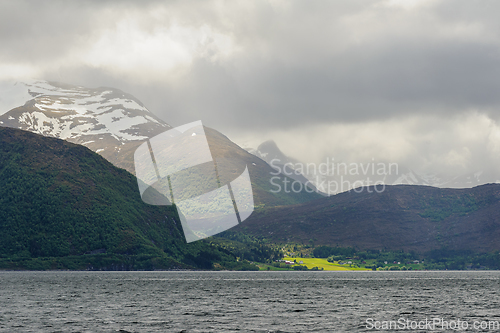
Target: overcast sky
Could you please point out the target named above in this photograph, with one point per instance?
(407, 81)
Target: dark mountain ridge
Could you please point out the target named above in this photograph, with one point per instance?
(402, 217)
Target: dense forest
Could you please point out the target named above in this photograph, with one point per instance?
(64, 207)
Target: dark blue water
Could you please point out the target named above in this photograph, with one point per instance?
(245, 301)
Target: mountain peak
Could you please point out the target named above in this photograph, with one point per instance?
(69, 112)
(106, 120)
(269, 145)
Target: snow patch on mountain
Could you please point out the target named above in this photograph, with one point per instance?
(71, 112)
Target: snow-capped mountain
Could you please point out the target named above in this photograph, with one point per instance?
(106, 120)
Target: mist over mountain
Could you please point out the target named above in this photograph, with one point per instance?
(113, 124)
(269, 152)
(332, 176)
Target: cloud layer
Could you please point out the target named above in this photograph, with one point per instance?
(411, 80)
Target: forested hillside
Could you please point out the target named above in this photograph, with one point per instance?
(63, 206)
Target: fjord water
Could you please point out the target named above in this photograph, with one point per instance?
(240, 301)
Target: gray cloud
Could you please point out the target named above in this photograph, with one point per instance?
(297, 63)
(272, 66)
(33, 31)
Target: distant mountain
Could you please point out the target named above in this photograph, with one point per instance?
(402, 217)
(63, 206)
(486, 176)
(270, 153)
(332, 176)
(113, 124)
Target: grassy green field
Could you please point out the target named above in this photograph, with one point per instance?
(327, 266)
